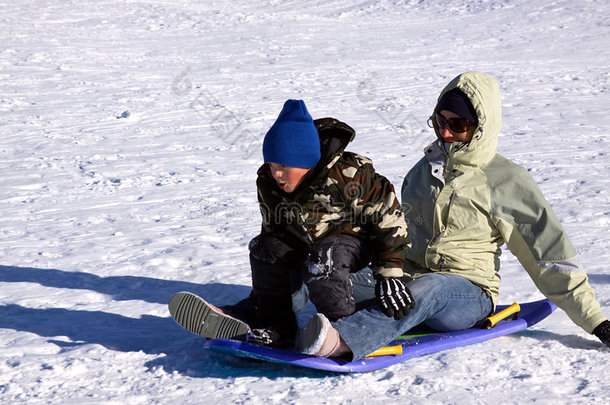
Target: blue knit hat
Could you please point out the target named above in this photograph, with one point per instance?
(293, 139)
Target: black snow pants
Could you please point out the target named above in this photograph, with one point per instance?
(280, 266)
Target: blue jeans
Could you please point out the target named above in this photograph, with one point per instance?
(443, 302)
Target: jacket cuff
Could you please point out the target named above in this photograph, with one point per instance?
(594, 322)
(387, 272)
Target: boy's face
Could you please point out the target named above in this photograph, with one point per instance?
(288, 178)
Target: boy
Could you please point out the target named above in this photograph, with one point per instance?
(326, 213)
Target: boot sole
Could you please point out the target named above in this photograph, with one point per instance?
(195, 315)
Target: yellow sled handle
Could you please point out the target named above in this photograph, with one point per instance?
(505, 313)
(386, 351)
(489, 323)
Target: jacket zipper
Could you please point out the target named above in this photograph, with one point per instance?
(309, 238)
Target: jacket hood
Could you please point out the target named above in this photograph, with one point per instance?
(484, 94)
(334, 138)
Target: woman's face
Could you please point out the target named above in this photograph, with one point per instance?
(449, 136)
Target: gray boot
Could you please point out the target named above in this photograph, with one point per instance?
(318, 338)
(204, 319)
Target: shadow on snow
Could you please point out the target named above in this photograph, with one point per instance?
(119, 288)
(179, 350)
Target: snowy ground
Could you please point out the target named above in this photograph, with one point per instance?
(131, 134)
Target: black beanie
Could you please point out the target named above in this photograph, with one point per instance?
(457, 102)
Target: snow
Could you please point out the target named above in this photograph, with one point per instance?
(131, 135)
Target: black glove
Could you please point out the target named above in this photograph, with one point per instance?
(395, 298)
(603, 332)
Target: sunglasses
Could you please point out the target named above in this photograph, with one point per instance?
(454, 124)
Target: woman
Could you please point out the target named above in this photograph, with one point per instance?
(463, 201)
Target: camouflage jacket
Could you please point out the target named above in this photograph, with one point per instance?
(342, 195)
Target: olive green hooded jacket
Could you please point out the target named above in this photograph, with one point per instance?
(464, 201)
